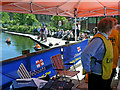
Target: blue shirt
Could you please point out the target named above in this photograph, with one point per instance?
(95, 48)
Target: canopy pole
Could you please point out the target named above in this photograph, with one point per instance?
(105, 11)
(57, 17)
(75, 15)
(57, 10)
(31, 10)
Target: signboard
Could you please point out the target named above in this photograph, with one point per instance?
(41, 63)
(60, 23)
(73, 53)
(37, 65)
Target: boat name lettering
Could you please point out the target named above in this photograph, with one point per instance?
(47, 73)
(35, 72)
(77, 54)
(73, 61)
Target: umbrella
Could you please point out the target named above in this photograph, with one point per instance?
(69, 8)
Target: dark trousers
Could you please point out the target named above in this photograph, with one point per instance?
(110, 80)
(95, 82)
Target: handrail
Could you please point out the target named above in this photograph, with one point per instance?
(38, 52)
(26, 55)
(71, 44)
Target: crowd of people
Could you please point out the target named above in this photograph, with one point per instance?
(69, 35)
(65, 35)
(43, 33)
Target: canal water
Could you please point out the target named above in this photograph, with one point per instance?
(18, 44)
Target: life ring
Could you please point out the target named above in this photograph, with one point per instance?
(8, 41)
(37, 47)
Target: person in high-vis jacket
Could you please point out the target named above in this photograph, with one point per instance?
(114, 36)
(118, 28)
(97, 57)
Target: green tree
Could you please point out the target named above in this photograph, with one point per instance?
(5, 17)
(23, 19)
(68, 26)
(19, 18)
(30, 18)
(56, 19)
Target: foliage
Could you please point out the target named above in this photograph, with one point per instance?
(37, 24)
(0, 21)
(23, 19)
(26, 22)
(100, 18)
(21, 28)
(30, 18)
(19, 18)
(52, 28)
(56, 19)
(5, 25)
(68, 26)
(51, 24)
(5, 17)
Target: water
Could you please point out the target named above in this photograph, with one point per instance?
(18, 44)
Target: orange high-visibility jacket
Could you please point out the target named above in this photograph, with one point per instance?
(118, 28)
(114, 36)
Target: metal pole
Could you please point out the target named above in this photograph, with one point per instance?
(96, 21)
(105, 11)
(31, 9)
(86, 24)
(75, 30)
(75, 15)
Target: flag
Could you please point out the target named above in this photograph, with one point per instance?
(39, 63)
(79, 49)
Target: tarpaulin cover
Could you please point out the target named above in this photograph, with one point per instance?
(84, 8)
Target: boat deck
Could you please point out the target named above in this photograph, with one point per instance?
(77, 86)
(83, 86)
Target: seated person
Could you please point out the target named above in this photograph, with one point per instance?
(60, 33)
(70, 35)
(81, 36)
(67, 35)
(86, 36)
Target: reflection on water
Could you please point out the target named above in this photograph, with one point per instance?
(18, 44)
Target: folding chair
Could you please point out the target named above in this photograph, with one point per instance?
(59, 68)
(23, 73)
